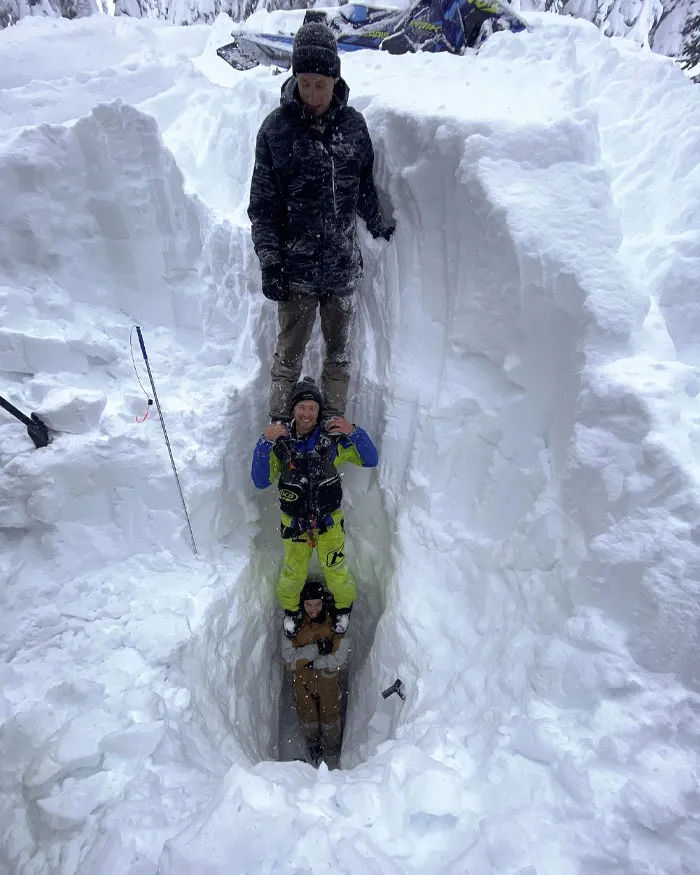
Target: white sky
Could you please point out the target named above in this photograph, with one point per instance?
(526, 361)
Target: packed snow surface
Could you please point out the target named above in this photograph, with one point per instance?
(526, 360)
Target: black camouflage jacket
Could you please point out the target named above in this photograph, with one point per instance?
(311, 178)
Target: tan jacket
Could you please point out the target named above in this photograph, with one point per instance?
(303, 648)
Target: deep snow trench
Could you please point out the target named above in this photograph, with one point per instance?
(526, 549)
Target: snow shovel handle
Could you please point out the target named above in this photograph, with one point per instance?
(5, 404)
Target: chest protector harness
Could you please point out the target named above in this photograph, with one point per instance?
(310, 487)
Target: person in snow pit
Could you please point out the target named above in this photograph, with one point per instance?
(313, 175)
(304, 461)
(315, 656)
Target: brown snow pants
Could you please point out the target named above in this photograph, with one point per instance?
(317, 699)
(296, 321)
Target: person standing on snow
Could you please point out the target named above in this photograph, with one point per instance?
(305, 463)
(313, 176)
(316, 655)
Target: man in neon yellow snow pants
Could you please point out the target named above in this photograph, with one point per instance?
(303, 458)
(330, 548)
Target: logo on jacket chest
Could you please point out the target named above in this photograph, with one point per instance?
(337, 146)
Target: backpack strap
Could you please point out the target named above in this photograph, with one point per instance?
(326, 444)
(286, 450)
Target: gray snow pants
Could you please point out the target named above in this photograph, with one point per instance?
(296, 321)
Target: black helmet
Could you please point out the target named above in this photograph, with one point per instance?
(313, 589)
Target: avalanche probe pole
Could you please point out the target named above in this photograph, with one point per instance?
(165, 435)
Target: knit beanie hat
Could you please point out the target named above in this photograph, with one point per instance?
(305, 390)
(313, 589)
(315, 51)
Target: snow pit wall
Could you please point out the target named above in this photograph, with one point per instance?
(481, 334)
(493, 327)
(474, 328)
(507, 436)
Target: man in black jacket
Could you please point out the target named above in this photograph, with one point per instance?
(313, 175)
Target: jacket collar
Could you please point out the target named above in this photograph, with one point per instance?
(310, 440)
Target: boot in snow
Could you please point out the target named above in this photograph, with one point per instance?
(315, 749)
(292, 623)
(341, 620)
(332, 758)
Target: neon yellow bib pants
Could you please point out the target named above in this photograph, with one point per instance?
(330, 548)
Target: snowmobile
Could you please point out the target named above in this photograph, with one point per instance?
(427, 26)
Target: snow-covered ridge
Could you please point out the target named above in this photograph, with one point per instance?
(656, 23)
(525, 550)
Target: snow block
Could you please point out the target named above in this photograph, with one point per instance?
(24, 354)
(135, 742)
(75, 801)
(75, 411)
(73, 750)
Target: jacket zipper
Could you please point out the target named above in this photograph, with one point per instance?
(335, 207)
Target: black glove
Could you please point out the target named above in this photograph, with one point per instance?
(387, 233)
(325, 646)
(274, 284)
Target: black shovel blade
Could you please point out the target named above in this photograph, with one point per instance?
(36, 429)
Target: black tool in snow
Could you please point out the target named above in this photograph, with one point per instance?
(36, 429)
(165, 435)
(396, 687)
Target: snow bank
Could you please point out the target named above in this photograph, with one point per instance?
(98, 228)
(56, 71)
(11, 11)
(493, 339)
(525, 550)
